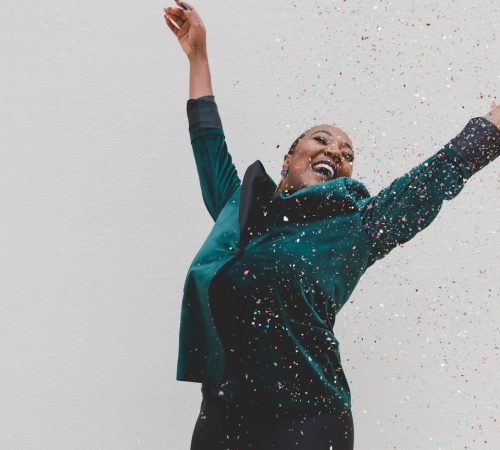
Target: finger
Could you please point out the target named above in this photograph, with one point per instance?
(186, 4)
(173, 21)
(179, 29)
(190, 14)
(175, 11)
(176, 19)
(171, 25)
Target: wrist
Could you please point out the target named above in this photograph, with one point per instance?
(198, 57)
(494, 120)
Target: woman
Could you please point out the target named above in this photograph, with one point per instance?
(262, 294)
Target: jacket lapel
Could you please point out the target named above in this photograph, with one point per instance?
(257, 189)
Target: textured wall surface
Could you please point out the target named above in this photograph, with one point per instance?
(101, 210)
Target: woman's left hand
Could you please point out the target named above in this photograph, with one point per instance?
(494, 115)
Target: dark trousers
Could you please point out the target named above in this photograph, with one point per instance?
(220, 428)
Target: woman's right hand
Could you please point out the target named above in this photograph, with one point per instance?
(191, 32)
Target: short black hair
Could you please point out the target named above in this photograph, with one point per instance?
(292, 148)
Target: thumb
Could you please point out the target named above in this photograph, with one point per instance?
(190, 13)
(185, 6)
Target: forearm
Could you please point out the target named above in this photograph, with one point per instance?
(412, 201)
(200, 82)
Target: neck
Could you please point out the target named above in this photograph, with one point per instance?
(282, 187)
(278, 189)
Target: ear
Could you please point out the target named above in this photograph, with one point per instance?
(286, 161)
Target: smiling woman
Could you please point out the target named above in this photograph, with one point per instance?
(320, 154)
(263, 292)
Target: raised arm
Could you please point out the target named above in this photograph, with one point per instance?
(216, 171)
(411, 202)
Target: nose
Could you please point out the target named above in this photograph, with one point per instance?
(333, 151)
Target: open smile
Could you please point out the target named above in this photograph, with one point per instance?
(325, 169)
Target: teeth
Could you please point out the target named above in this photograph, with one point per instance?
(324, 165)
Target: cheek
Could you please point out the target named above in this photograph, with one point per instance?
(301, 169)
(347, 167)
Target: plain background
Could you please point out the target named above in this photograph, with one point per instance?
(101, 209)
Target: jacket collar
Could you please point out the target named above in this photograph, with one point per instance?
(312, 202)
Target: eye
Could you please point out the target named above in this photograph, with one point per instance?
(320, 139)
(348, 156)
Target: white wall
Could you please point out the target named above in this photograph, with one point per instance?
(101, 211)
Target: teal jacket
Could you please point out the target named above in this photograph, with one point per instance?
(322, 239)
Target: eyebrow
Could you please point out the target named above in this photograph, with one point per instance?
(330, 134)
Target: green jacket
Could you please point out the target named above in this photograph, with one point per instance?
(322, 239)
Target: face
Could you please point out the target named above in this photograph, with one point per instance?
(321, 143)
